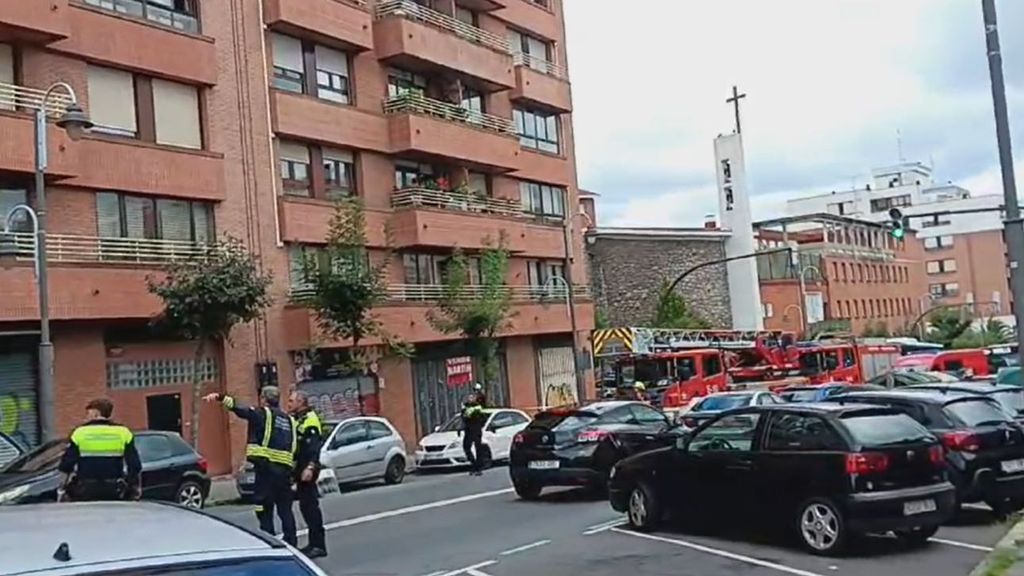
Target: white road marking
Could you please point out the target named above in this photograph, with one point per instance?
(602, 528)
(720, 553)
(408, 510)
(524, 547)
(967, 545)
(471, 570)
(438, 573)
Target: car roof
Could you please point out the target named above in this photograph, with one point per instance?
(336, 421)
(140, 531)
(931, 397)
(815, 407)
(972, 387)
(599, 407)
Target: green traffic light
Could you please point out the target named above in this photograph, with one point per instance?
(898, 233)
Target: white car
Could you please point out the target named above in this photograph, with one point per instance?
(443, 448)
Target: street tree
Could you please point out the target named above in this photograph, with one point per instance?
(478, 312)
(877, 330)
(992, 332)
(205, 296)
(946, 326)
(672, 311)
(344, 287)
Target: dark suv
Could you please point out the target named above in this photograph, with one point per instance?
(984, 446)
(827, 471)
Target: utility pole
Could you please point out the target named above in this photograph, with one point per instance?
(1013, 230)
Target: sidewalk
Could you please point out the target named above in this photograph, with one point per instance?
(222, 491)
(1008, 557)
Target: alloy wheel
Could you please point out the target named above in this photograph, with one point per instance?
(190, 496)
(638, 507)
(819, 526)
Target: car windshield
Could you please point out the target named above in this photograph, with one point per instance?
(557, 421)
(720, 403)
(264, 567)
(650, 371)
(978, 412)
(799, 395)
(1012, 400)
(44, 457)
(876, 430)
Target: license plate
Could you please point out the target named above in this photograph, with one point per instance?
(918, 507)
(1012, 466)
(544, 465)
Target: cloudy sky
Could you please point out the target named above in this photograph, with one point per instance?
(829, 81)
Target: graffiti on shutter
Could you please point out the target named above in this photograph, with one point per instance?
(557, 377)
(19, 409)
(437, 401)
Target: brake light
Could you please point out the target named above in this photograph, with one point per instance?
(588, 436)
(861, 463)
(518, 438)
(202, 464)
(961, 441)
(937, 455)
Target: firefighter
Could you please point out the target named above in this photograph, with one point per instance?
(640, 391)
(100, 462)
(473, 420)
(307, 471)
(271, 447)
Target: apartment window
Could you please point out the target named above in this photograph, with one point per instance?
(9, 198)
(540, 272)
(473, 100)
(478, 184)
(941, 266)
(542, 199)
(294, 166)
(944, 290)
(176, 114)
(412, 174)
(538, 52)
(938, 242)
(6, 69)
(537, 130)
(465, 15)
(112, 101)
(883, 204)
(304, 67)
(178, 14)
(339, 173)
(302, 261)
(332, 76)
(125, 216)
(768, 310)
(288, 63)
(428, 269)
(401, 82)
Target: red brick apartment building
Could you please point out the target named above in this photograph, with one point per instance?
(214, 118)
(853, 271)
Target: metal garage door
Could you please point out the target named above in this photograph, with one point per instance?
(557, 377)
(437, 401)
(19, 400)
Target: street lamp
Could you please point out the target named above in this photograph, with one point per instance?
(75, 123)
(571, 303)
(805, 311)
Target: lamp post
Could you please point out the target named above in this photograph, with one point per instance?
(75, 123)
(805, 311)
(571, 303)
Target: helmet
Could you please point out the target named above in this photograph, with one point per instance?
(478, 387)
(640, 386)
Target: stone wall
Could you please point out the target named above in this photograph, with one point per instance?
(626, 273)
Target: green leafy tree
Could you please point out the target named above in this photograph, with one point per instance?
(601, 318)
(205, 297)
(877, 330)
(992, 332)
(672, 311)
(345, 287)
(478, 313)
(946, 326)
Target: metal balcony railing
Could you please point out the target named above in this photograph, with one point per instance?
(90, 249)
(434, 292)
(412, 11)
(23, 98)
(416, 103)
(539, 64)
(145, 10)
(461, 202)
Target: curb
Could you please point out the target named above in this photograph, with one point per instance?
(1004, 560)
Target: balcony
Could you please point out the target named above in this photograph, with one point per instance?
(90, 278)
(344, 22)
(530, 15)
(435, 292)
(308, 220)
(419, 39)
(312, 119)
(34, 21)
(432, 129)
(541, 83)
(435, 218)
(17, 133)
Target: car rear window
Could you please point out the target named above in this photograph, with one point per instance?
(717, 403)
(555, 421)
(882, 429)
(1012, 400)
(800, 395)
(977, 412)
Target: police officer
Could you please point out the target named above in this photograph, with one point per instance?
(473, 420)
(307, 470)
(102, 457)
(271, 448)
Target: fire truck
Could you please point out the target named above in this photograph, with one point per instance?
(680, 365)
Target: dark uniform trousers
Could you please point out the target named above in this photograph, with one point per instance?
(273, 485)
(310, 438)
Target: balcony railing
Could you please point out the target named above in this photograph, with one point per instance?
(461, 202)
(14, 97)
(552, 293)
(415, 103)
(412, 11)
(539, 64)
(185, 21)
(90, 249)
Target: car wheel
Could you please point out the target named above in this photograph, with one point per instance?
(643, 511)
(821, 527)
(190, 495)
(395, 471)
(918, 536)
(527, 490)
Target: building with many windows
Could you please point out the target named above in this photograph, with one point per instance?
(449, 119)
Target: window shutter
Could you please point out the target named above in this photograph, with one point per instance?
(287, 52)
(294, 152)
(202, 218)
(112, 100)
(108, 215)
(175, 220)
(176, 107)
(332, 60)
(339, 155)
(140, 221)
(6, 71)
(478, 183)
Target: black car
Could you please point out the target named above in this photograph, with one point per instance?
(171, 470)
(984, 446)
(578, 447)
(901, 378)
(1011, 398)
(821, 391)
(826, 471)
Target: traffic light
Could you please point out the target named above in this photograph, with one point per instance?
(897, 225)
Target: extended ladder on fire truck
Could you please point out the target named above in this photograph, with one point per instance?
(637, 340)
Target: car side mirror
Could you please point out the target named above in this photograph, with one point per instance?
(437, 428)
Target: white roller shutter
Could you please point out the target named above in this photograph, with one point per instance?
(557, 377)
(112, 100)
(19, 397)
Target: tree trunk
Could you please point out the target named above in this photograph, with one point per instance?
(197, 391)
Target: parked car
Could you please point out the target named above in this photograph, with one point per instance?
(825, 471)
(579, 446)
(714, 404)
(354, 450)
(10, 449)
(171, 470)
(1011, 398)
(122, 539)
(901, 378)
(984, 446)
(821, 392)
(1009, 376)
(443, 447)
(961, 363)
